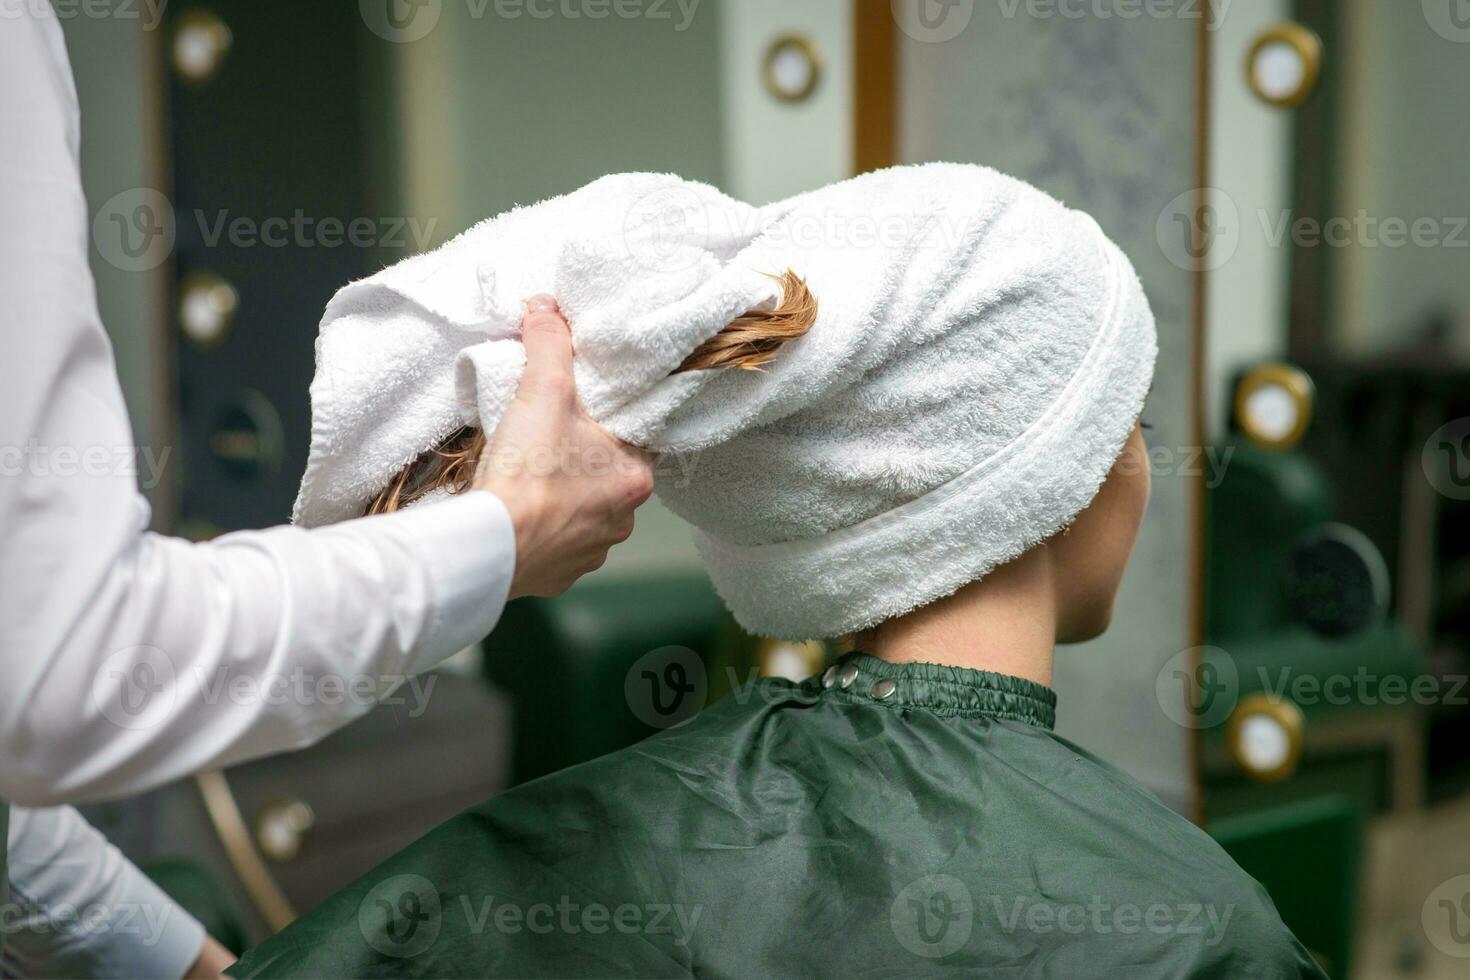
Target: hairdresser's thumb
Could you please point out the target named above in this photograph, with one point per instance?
(548, 342)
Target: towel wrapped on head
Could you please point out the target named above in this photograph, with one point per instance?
(980, 355)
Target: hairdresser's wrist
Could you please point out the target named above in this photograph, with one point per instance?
(564, 527)
(213, 960)
(529, 514)
(466, 547)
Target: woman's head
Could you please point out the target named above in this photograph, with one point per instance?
(1082, 566)
(979, 361)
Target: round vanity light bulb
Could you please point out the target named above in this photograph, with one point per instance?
(207, 306)
(1266, 736)
(1279, 70)
(1273, 405)
(201, 41)
(792, 68)
(1272, 412)
(1264, 743)
(1284, 64)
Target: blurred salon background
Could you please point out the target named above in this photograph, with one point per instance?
(1289, 661)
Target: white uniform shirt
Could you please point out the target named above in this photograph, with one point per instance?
(128, 659)
(78, 908)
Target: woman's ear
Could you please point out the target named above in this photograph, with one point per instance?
(1093, 552)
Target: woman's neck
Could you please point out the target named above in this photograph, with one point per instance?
(1006, 622)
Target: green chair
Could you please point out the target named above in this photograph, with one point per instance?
(588, 671)
(201, 895)
(1307, 855)
(1266, 504)
(1261, 505)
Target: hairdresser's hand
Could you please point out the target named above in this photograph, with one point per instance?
(213, 960)
(571, 488)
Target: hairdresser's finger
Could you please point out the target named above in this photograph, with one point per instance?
(548, 342)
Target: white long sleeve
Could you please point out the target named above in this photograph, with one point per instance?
(128, 659)
(78, 908)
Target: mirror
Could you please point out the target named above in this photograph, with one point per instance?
(1337, 377)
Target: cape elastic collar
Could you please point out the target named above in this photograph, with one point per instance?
(861, 678)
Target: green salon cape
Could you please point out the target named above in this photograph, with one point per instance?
(881, 821)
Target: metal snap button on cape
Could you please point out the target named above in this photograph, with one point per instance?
(848, 675)
(884, 689)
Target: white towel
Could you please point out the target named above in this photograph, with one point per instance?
(979, 358)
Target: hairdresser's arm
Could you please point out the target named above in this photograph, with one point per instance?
(128, 659)
(78, 908)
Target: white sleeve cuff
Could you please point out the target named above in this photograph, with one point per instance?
(171, 944)
(468, 546)
(78, 908)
